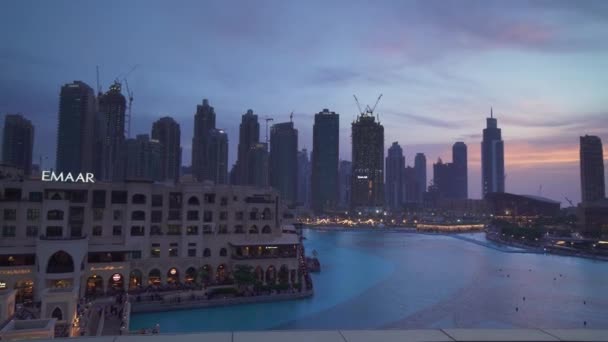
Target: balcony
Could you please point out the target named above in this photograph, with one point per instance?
(62, 238)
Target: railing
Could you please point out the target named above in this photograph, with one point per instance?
(59, 238)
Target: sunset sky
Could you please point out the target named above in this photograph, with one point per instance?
(440, 65)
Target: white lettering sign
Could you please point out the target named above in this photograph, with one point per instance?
(51, 176)
(2, 285)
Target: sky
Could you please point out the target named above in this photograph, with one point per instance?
(440, 65)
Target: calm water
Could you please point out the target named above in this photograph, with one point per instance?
(404, 280)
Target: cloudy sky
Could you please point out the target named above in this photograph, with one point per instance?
(441, 65)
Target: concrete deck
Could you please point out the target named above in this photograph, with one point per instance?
(438, 335)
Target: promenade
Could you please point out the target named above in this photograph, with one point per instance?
(432, 335)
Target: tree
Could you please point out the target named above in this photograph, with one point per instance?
(244, 275)
(204, 275)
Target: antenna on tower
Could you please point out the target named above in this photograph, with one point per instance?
(491, 112)
(291, 116)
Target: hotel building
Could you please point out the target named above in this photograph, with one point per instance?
(63, 241)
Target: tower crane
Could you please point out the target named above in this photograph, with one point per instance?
(569, 201)
(129, 107)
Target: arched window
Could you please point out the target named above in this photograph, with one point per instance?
(138, 199)
(154, 277)
(266, 230)
(206, 252)
(253, 214)
(173, 276)
(284, 274)
(190, 275)
(253, 229)
(223, 252)
(60, 262)
(54, 215)
(205, 274)
(135, 279)
(138, 215)
(193, 200)
(271, 275)
(266, 214)
(57, 314)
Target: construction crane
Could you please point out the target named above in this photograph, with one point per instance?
(368, 110)
(129, 107)
(268, 119)
(358, 105)
(569, 201)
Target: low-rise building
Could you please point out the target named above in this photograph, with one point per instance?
(62, 241)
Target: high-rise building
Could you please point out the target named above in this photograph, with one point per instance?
(304, 178)
(249, 137)
(394, 185)
(168, 133)
(368, 162)
(217, 156)
(325, 157)
(593, 186)
(411, 186)
(345, 182)
(492, 158)
(284, 160)
(459, 160)
(257, 164)
(18, 142)
(420, 171)
(112, 106)
(444, 178)
(143, 158)
(75, 130)
(204, 121)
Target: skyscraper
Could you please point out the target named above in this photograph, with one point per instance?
(345, 183)
(325, 157)
(284, 160)
(75, 129)
(217, 156)
(143, 158)
(420, 172)
(395, 168)
(257, 161)
(443, 178)
(368, 162)
(304, 178)
(18, 142)
(411, 186)
(168, 133)
(593, 187)
(459, 161)
(249, 137)
(204, 121)
(112, 106)
(492, 158)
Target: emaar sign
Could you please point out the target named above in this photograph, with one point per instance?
(51, 176)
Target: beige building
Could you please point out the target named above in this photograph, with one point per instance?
(62, 241)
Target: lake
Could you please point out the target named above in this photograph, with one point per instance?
(389, 279)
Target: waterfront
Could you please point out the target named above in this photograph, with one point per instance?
(384, 279)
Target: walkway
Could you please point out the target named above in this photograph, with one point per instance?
(438, 335)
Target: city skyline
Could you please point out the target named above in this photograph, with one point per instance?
(542, 75)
